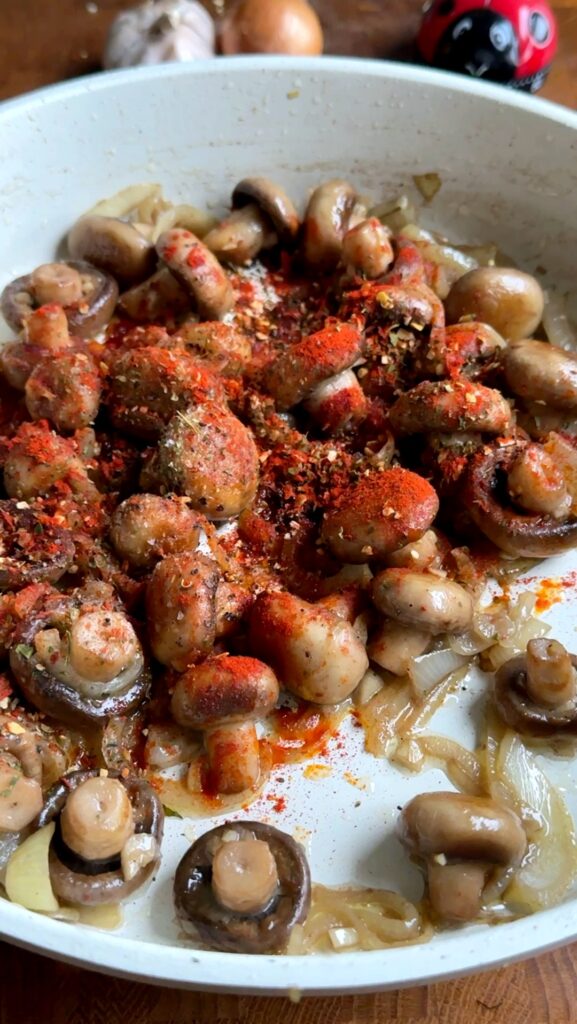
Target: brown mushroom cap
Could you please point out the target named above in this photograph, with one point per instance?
(223, 689)
(59, 699)
(113, 246)
(462, 828)
(297, 371)
(486, 500)
(326, 223)
(518, 710)
(222, 929)
(22, 563)
(87, 883)
(198, 271)
(458, 406)
(273, 200)
(85, 318)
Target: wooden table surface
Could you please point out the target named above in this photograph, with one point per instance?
(43, 41)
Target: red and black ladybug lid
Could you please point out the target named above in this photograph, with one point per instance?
(499, 40)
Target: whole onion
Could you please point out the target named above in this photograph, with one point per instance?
(271, 26)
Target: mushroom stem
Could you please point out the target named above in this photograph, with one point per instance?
(456, 890)
(233, 757)
(240, 237)
(551, 678)
(244, 875)
(47, 327)
(56, 282)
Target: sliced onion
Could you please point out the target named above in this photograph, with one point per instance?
(428, 670)
(484, 255)
(449, 256)
(395, 214)
(558, 328)
(550, 866)
(428, 184)
(370, 684)
(374, 918)
(124, 202)
(461, 766)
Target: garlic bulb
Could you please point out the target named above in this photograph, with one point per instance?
(159, 31)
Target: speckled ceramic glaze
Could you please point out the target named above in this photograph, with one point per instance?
(508, 165)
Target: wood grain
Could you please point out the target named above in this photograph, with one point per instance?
(44, 41)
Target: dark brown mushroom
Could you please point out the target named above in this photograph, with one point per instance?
(273, 201)
(76, 658)
(486, 499)
(463, 842)
(82, 881)
(536, 693)
(87, 295)
(298, 371)
(214, 885)
(113, 246)
(34, 550)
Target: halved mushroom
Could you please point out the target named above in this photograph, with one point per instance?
(262, 215)
(379, 515)
(77, 658)
(464, 842)
(536, 692)
(87, 295)
(34, 548)
(198, 271)
(243, 886)
(327, 220)
(113, 246)
(486, 499)
(107, 838)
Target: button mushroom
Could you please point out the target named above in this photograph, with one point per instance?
(222, 348)
(298, 371)
(198, 271)
(262, 215)
(181, 609)
(448, 406)
(207, 454)
(463, 841)
(147, 386)
(243, 886)
(113, 246)
(65, 391)
(223, 697)
(87, 295)
(34, 549)
(517, 532)
(147, 527)
(367, 249)
(379, 515)
(327, 220)
(543, 373)
(38, 459)
(429, 602)
(107, 838)
(509, 300)
(536, 692)
(316, 655)
(77, 658)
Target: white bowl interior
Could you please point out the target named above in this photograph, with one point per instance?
(509, 174)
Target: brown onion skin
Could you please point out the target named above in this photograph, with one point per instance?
(224, 930)
(523, 535)
(259, 26)
(108, 886)
(516, 708)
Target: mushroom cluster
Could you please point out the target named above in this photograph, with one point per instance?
(241, 459)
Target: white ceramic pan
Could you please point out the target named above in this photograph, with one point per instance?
(508, 165)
